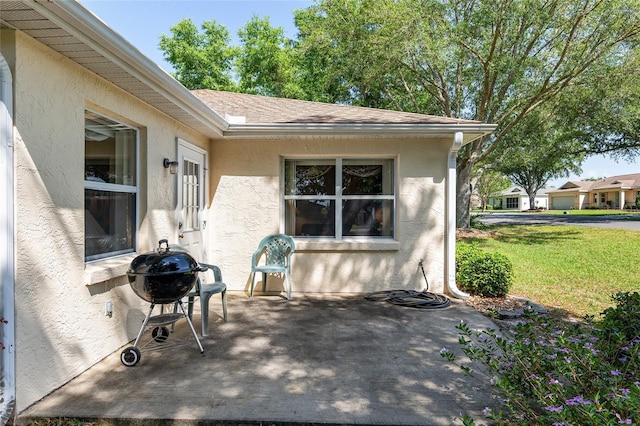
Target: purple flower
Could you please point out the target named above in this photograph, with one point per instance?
(554, 409)
(615, 373)
(554, 382)
(578, 400)
(623, 422)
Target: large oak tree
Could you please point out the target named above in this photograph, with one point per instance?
(495, 61)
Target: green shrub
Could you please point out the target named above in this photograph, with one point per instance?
(621, 324)
(552, 372)
(481, 273)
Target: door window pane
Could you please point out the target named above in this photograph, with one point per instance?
(190, 194)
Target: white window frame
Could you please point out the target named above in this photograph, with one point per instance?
(338, 198)
(110, 187)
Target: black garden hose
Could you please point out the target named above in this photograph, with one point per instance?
(411, 298)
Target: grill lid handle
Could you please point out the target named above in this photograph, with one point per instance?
(166, 248)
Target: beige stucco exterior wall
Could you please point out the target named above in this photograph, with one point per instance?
(62, 329)
(246, 205)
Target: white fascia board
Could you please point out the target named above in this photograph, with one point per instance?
(87, 27)
(471, 132)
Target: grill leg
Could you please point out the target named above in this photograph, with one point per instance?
(144, 326)
(193, 330)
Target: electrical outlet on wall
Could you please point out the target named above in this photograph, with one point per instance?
(108, 308)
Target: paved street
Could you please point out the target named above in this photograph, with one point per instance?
(613, 221)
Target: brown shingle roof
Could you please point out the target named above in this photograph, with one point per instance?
(613, 182)
(265, 110)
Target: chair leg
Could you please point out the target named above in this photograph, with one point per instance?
(204, 314)
(264, 282)
(224, 305)
(287, 285)
(253, 283)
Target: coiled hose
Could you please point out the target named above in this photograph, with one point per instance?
(411, 298)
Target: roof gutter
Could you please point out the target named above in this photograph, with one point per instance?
(470, 132)
(85, 26)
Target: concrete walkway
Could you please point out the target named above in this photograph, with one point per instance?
(331, 359)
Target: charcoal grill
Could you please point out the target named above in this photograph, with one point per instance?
(161, 277)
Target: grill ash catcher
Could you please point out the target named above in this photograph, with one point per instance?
(161, 277)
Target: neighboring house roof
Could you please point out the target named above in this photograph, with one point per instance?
(629, 181)
(73, 31)
(516, 190)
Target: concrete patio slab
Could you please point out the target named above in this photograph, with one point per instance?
(318, 358)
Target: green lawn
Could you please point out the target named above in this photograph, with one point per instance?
(572, 268)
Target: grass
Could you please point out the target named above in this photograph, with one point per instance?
(574, 269)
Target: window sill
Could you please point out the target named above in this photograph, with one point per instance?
(342, 245)
(107, 269)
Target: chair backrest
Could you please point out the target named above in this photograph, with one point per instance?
(278, 248)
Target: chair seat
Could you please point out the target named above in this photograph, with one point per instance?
(270, 269)
(213, 288)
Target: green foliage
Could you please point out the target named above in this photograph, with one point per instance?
(201, 60)
(265, 62)
(549, 371)
(621, 324)
(537, 150)
(482, 273)
(489, 183)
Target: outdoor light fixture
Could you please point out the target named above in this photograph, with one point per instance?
(171, 165)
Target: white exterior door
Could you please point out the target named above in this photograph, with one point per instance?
(191, 212)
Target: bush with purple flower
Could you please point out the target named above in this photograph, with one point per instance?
(551, 371)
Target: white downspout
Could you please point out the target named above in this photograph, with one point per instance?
(7, 273)
(450, 231)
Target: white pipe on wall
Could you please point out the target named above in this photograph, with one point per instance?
(450, 232)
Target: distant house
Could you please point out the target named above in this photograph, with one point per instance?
(515, 198)
(616, 192)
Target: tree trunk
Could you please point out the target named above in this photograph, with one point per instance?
(463, 199)
(532, 202)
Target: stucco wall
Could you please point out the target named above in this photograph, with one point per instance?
(62, 328)
(246, 205)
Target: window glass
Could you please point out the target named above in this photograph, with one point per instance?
(311, 217)
(190, 195)
(110, 174)
(366, 177)
(366, 198)
(310, 178)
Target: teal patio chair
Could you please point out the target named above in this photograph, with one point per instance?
(204, 289)
(277, 250)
